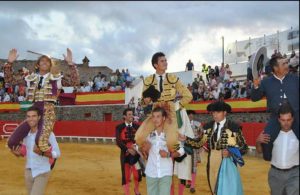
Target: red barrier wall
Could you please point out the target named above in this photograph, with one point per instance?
(107, 129)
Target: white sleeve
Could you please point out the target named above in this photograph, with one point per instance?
(181, 149)
(55, 149)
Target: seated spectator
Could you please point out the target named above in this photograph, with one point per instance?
(227, 94)
(21, 98)
(234, 93)
(215, 93)
(242, 92)
(211, 72)
(6, 97)
(213, 81)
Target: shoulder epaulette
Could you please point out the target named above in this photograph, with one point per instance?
(172, 78)
(149, 80)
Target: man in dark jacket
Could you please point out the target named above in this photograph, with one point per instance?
(279, 88)
(129, 157)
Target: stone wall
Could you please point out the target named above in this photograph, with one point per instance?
(75, 113)
(97, 112)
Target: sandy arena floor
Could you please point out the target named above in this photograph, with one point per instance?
(95, 169)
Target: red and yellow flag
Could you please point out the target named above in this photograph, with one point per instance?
(237, 105)
(115, 97)
(9, 107)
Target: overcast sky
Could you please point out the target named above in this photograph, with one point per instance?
(126, 34)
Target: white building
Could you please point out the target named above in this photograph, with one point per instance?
(236, 54)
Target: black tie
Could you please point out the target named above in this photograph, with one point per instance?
(40, 83)
(216, 132)
(161, 84)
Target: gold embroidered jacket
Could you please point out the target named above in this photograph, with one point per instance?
(171, 86)
(231, 135)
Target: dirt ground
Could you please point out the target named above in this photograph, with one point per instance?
(95, 169)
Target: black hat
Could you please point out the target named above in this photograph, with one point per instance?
(219, 106)
(151, 92)
(190, 112)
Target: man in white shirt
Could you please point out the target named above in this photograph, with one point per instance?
(284, 172)
(38, 164)
(159, 167)
(6, 97)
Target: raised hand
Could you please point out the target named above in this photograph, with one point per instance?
(69, 57)
(256, 82)
(12, 55)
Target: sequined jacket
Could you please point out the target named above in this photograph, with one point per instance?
(231, 135)
(171, 86)
(49, 91)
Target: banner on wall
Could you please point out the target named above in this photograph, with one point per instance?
(239, 105)
(9, 107)
(115, 97)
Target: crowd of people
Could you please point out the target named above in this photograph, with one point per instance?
(116, 81)
(16, 91)
(219, 85)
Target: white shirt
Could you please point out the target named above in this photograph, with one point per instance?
(285, 153)
(6, 98)
(158, 167)
(21, 98)
(37, 163)
(220, 127)
(157, 76)
(44, 78)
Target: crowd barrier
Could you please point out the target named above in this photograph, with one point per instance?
(106, 130)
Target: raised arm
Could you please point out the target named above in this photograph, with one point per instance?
(258, 91)
(74, 78)
(7, 68)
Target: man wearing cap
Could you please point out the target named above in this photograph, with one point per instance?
(279, 88)
(129, 157)
(168, 85)
(225, 142)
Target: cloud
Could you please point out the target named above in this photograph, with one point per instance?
(126, 34)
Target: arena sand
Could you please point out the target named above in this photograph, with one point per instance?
(95, 169)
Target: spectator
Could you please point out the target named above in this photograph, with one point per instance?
(189, 66)
(205, 71)
(222, 72)
(215, 93)
(131, 103)
(195, 90)
(21, 98)
(211, 72)
(227, 93)
(228, 72)
(217, 72)
(242, 92)
(6, 97)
